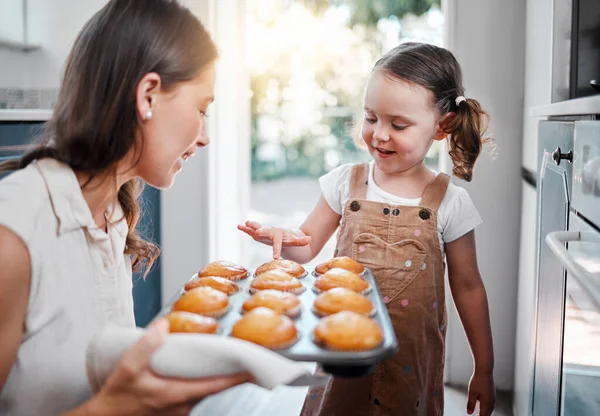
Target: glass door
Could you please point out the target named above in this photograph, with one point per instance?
(581, 347)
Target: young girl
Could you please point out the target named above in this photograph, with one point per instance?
(131, 107)
(404, 222)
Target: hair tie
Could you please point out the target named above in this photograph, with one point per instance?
(459, 100)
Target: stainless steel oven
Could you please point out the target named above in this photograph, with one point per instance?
(555, 150)
(578, 250)
(567, 361)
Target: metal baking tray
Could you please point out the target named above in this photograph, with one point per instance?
(338, 363)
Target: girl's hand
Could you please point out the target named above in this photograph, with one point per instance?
(274, 236)
(481, 388)
(132, 388)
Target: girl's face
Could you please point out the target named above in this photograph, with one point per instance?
(177, 126)
(400, 122)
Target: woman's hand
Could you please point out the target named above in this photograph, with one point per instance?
(133, 389)
(481, 389)
(274, 236)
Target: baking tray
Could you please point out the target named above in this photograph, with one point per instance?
(338, 363)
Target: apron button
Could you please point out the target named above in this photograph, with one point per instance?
(386, 211)
(377, 402)
(396, 212)
(424, 214)
(354, 206)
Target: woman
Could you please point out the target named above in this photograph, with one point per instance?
(131, 108)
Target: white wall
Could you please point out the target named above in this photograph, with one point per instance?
(488, 38)
(53, 25)
(538, 88)
(11, 20)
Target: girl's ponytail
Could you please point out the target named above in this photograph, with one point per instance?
(466, 136)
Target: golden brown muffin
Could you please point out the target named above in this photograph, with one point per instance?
(280, 302)
(267, 328)
(345, 263)
(219, 283)
(180, 321)
(203, 301)
(276, 280)
(288, 266)
(348, 331)
(226, 269)
(341, 299)
(341, 278)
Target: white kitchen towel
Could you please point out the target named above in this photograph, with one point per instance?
(196, 356)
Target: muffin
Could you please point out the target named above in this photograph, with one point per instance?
(219, 283)
(348, 331)
(276, 280)
(265, 327)
(341, 299)
(203, 301)
(180, 321)
(341, 278)
(280, 302)
(226, 269)
(290, 267)
(345, 263)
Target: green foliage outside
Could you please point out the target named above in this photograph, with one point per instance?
(309, 62)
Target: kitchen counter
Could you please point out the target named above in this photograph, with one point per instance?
(25, 115)
(576, 107)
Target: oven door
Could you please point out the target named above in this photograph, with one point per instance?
(554, 197)
(580, 372)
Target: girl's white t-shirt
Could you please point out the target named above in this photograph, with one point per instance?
(457, 214)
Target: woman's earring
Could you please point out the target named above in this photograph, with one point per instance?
(148, 114)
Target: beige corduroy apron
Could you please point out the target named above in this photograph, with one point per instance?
(400, 245)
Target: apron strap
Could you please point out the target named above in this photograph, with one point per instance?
(435, 191)
(358, 181)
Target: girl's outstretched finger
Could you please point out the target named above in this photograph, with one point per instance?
(277, 243)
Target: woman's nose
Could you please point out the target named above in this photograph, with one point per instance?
(203, 139)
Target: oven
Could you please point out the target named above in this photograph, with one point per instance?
(567, 336)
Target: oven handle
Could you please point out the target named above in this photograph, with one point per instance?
(556, 241)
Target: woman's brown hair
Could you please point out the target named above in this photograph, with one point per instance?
(438, 70)
(95, 119)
